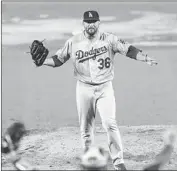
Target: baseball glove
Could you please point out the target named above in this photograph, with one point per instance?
(38, 52)
(12, 137)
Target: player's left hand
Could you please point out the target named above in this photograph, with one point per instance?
(151, 61)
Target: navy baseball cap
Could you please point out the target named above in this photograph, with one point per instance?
(91, 16)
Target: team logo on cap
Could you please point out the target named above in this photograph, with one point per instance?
(90, 14)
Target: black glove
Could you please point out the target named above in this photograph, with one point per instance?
(38, 52)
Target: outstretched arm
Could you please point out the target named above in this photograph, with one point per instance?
(139, 55)
(126, 49)
(60, 57)
(39, 54)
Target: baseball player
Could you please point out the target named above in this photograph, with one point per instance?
(92, 53)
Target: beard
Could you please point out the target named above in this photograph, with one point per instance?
(91, 30)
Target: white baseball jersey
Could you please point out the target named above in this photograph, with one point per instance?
(93, 59)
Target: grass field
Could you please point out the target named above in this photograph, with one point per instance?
(44, 98)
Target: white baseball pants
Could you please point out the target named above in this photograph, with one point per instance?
(93, 99)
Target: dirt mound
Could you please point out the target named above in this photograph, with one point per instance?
(59, 149)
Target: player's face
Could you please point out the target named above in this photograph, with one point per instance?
(91, 27)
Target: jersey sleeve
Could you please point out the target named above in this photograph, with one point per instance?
(64, 53)
(119, 45)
